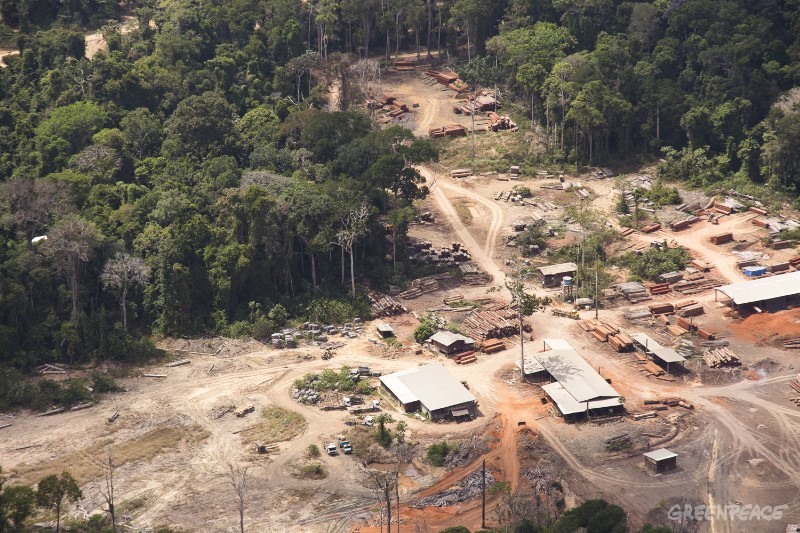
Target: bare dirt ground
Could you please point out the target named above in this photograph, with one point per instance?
(736, 446)
(96, 43)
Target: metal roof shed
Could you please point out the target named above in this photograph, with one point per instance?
(575, 375)
(668, 355)
(760, 290)
(431, 385)
(568, 405)
(561, 268)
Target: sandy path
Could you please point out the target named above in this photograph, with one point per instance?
(4, 53)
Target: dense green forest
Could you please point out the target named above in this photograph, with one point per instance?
(191, 180)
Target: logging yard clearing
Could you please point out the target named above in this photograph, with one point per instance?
(178, 423)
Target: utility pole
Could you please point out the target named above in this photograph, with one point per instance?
(596, 293)
(483, 498)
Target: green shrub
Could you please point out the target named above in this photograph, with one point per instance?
(262, 329)
(437, 453)
(102, 383)
(655, 261)
(313, 450)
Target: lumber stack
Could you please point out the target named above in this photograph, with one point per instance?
(691, 310)
(661, 309)
(660, 288)
(795, 261)
(634, 291)
(792, 344)
(781, 244)
(760, 223)
(650, 228)
(685, 324)
(477, 278)
(757, 210)
(483, 325)
(465, 358)
(419, 287)
(653, 368)
(646, 414)
(452, 130)
(717, 357)
(722, 238)
(383, 306)
(696, 283)
(795, 384)
(684, 223)
(621, 342)
(55, 368)
(705, 335)
(492, 346)
(461, 172)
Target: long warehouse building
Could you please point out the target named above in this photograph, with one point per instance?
(771, 293)
(577, 389)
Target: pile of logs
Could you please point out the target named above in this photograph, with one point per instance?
(419, 287)
(492, 346)
(653, 368)
(795, 385)
(491, 324)
(795, 261)
(383, 306)
(52, 369)
(683, 223)
(501, 122)
(449, 80)
(461, 173)
(450, 300)
(792, 344)
(721, 238)
(465, 358)
(694, 283)
(717, 357)
(403, 65)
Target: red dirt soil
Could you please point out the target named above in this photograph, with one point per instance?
(768, 328)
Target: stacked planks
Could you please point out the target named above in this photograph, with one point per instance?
(795, 261)
(491, 324)
(634, 291)
(605, 332)
(661, 309)
(653, 368)
(722, 238)
(692, 310)
(650, 228)
(717, 357)
(465, 358)
(683, 223)
(452, 130)
(659, 288)
(792, 344)
(492, 346)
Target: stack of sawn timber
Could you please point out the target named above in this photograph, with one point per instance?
(465, 358)
(403, 65)
(717, 357)
(453, 130)
(492, 346)
(605, 332)
(792, 344)
(634, 292)
(483, 325)
(661, 309)
(689, 309)
(660, 288)
(386, 306)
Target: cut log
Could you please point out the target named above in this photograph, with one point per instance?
(113, 417)
(52, 412)
(178, 363)
(154, 375)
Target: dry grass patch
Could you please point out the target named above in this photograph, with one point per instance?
(310, 470)
(88, 464)
(277, 425)
(462, 208)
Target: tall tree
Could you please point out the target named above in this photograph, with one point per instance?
(54, 491)
(121, 274)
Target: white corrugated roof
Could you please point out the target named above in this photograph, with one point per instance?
(557, 344)
(561, 268)
(668, 355)
(569, 405)
(446, 338)
(532, 365)
(762, 289)
(433, 385)
(660, 454)
(575, 375)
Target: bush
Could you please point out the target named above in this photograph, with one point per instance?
(101, 383)
(262, 329)
(455, 529)
(660, 195)
(327, 380)
(437, 453)
(655, 261)
(315, 470)
(312, 450)
(425, 329)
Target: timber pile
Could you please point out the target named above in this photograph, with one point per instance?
(760, 223)
(653, 368)
(383, 306)
(452, 130)
(757, 210)
(492, 346)
(781, 244)
(634, 292)
(795, 261)
(627, 231)
(792, 344)
(695, 283)
(722, 238)
(661, 309)
(605, 332)
(678, 225)
(795, 384)
(685, 324)
(646, 414)
(717, 357)
(650, 228)
(705, 335)
(404, 65)
(461, 172)
(483, 325)
(637, 314)
(677, 330)
(478, 278)
(178, 363)
(52, 369)
(449, 300)
(621, 342)
(659, 288)
(691, 310)
(465, 358)
(424, 285)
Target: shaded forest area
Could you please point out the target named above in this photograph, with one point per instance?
(190, 180)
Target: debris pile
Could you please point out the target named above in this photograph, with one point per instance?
(468, 488)
(717, 357)
(483, 325)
